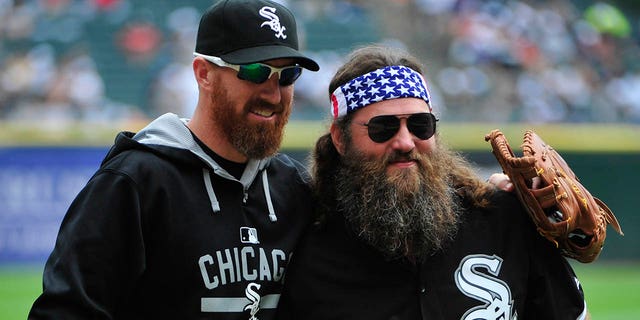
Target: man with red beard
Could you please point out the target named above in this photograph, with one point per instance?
(406, 229)
(194, 218)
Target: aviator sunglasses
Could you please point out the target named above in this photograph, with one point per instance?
(259, 72)
(383, 128)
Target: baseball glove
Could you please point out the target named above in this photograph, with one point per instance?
(561, 207)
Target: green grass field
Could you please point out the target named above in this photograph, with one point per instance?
(611, 289)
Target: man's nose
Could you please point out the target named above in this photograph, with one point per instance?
(270, 90)
(403, 140)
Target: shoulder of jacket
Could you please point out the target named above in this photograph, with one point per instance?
(139, 162)
(286, 163)
(505, 206)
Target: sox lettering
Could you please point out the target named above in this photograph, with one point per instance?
(485, 287)
(274, 21)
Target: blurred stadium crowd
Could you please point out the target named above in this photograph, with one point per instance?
(503, 61)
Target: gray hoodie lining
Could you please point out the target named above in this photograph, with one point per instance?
(170, 130)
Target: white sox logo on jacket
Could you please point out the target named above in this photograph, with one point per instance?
(485, 287)
(273, 22)
(254, 297)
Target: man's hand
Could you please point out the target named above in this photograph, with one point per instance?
(501, 181)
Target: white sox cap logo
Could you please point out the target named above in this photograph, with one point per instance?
(273, 21)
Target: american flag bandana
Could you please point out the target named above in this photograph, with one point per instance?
(390, 82)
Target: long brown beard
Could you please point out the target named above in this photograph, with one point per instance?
(411, 212)
(254, 140)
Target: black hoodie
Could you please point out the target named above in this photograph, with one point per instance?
(161, 231)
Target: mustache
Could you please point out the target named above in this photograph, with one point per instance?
(397, 156)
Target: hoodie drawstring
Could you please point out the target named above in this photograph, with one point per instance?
(267, 195)
(215, 205)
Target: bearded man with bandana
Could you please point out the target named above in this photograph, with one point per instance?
(405, 228)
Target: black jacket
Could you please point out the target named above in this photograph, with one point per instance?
(161, 231)
(497, 267)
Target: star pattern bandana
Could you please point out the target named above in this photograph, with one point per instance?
(390, 82)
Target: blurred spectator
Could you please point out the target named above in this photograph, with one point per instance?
(560, 59)
(175, 90)
(490, 60)
(139, 41)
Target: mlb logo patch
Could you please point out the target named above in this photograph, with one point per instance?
(249, 235)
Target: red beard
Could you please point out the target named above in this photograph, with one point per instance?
(254, 140)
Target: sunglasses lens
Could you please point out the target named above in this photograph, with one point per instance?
(290, 75)
(259, 73)
(255, 72)
(383, 128)
(422, 125)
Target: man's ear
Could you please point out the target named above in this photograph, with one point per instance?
(336, 137)
(201, 71)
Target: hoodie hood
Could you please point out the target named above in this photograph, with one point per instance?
(171, 131)
(169, 135)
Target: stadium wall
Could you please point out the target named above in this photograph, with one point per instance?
(38, 183)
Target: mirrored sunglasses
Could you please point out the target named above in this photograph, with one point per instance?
(259, 72)
(383, 128)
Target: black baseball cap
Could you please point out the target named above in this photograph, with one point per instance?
(248, 31)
